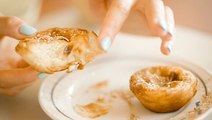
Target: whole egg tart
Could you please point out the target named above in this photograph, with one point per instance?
(163, 88)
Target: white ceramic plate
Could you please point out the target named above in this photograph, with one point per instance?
(62, 91)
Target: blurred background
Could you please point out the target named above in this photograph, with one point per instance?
(195, 14)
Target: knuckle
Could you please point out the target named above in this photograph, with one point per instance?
(13, 93)
(124, 7)
(4, 86)
(9, 92)
(12, 21)
(168, 9)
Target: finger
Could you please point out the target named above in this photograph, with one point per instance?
(15, 27)
(155, 14)
(13, 91)
(99, 8)
(170, 23)
(8, 92)
(16, 77)
(167, 40)
(116, 15)
(22, 64)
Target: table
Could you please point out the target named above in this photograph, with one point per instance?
(191, 45)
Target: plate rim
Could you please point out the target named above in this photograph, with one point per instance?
(64, 74)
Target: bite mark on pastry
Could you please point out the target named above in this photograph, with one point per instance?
(58, 49)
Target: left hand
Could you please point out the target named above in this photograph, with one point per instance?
(15, 74)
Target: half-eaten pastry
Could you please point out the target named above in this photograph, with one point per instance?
(58, 49)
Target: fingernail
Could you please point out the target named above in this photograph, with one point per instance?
(105, 43)
(169, 48)
(42, 75)
(171, 31)
(163, 25)
(27, 30)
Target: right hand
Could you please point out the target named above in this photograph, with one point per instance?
(113, 14)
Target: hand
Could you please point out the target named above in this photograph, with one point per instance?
(159, 18)
(15, 74)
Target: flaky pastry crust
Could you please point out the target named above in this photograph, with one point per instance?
(163, 88)
(58, 49)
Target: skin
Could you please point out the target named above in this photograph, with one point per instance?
(113, 14)
(15, 74)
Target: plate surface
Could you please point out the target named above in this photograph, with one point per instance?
(61, 92)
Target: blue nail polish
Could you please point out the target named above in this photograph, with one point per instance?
(163, 25)
(171, 31)
(105, 43)
(169, 48)
(42, 75)
(27, 30)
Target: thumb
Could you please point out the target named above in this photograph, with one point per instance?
(115, 17)
(15, 27)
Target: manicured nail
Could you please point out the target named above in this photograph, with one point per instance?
(170, 31)
(105, 43)
(42, 75)
(169, 48)
(163, 25)
(27, 30)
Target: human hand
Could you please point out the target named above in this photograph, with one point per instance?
(15, 74)
(159, 17)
